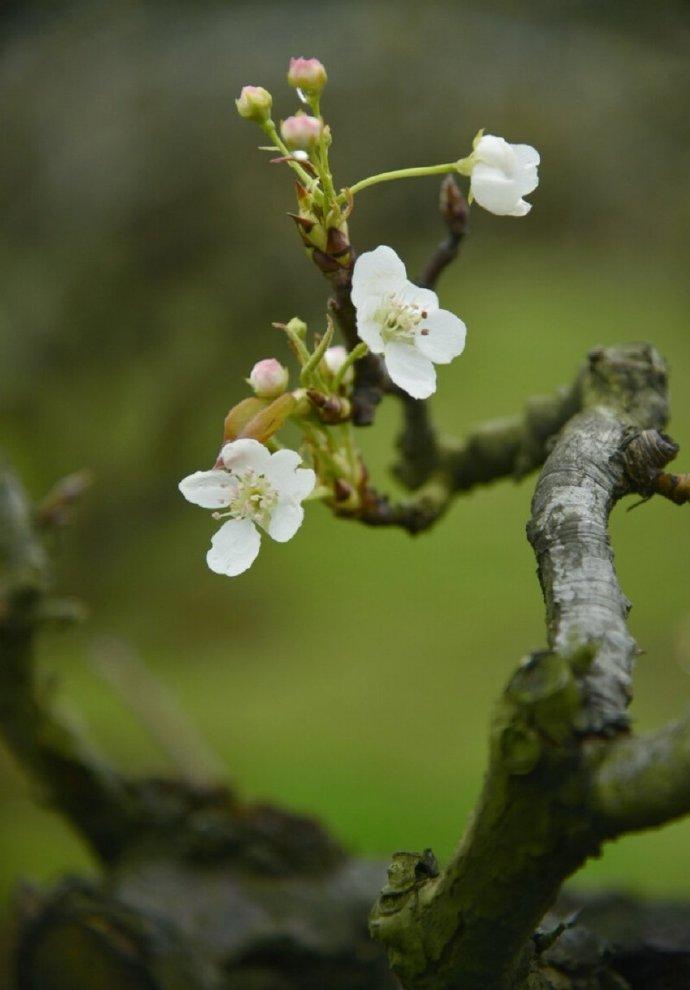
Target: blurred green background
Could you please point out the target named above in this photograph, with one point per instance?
(145, 251)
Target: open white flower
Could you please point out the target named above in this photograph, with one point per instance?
(403, 322)
(254, 488)
(502, 174)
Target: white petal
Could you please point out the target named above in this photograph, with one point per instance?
(522, 208)
(234, 547)
(286, 519)
(527, 181)
(302, 483)
(369, 325)
(423, 299)
(446, 337)
(285, 475)
(494, 191)
(242, 454)
(526, 155)
(496, 153)
(410, 370)
(209, 489)
(376, 273)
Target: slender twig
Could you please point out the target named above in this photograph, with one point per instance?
(455, 213)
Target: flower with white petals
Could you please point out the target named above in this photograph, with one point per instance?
(403, 322)
(252, 487)
(502, 174)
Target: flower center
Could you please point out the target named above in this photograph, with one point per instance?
(399, 319)
(254, 498)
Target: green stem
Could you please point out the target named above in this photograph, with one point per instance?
(403, 173)
(311, 367)
(354, 355)
(271, 131)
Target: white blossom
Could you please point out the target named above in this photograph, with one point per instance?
(402, 322)
(249, 487)
(502, 174)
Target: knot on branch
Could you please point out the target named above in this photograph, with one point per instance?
(644, 456)
(392, 918)
(539, 709)
(631, 378)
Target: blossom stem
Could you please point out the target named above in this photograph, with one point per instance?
(403, 173)
(321, 158)
(271, 131)
(314, 361)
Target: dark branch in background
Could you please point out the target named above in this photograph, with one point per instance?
(72, 779)
(113, 812)
(200, 890)
(561, 778)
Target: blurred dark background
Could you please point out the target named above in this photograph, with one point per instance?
(144, 253)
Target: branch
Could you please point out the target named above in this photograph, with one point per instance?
(117, 815)
(73, 779)
(644, 782)
(437, 472)
(455, 212)
(594, 463)
(556, 787)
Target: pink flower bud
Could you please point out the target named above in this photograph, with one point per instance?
(268, 378)
(307, 74)
(301, 132)
(254, 103)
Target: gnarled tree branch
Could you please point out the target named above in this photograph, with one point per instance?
(556, 783)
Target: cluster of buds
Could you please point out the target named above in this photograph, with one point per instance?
(302, 141)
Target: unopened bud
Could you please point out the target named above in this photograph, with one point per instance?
(268, 378)
(301, 132)
(334, 358)
(308, 75)
(331, 408)
(254, 103)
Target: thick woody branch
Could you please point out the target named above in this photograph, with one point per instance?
(596, 461)
(644, 781)
(560, 781)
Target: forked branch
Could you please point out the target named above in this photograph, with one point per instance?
(561, 778)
